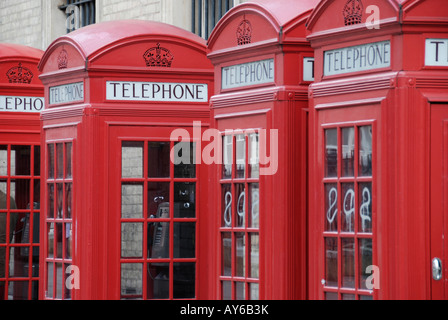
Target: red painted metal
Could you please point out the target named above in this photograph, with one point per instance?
(21, 99)
(96, 123)
(400, 99)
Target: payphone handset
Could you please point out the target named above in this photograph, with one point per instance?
(160, 244)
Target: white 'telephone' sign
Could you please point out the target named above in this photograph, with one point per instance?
(308, 69)
(21, 104)
(67, 93)
(436, 52)
(248, 74)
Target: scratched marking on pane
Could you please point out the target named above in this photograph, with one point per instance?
(364, 210)
(350, 195)
(331, 215)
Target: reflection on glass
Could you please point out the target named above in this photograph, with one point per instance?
(365, 151)
(240, 156)
(184, 160)
(348, 263)
(331, 296)
(254, 205)
(184, 200)
(21, 292)
(365, 298)
(331, 207)
(132, 160)
(240, 290)
(254, 291)
(226, 205)
(50, 161)
(20, 160)
(331, 263)
(346, 296)
(158, 196)
(348, 208)
(68, 201)
(68, 160)
(158, 280)
(158, 159)
(365, 260)
(132, 201)
(348, 152)
(184, 277)
(254, 156)
(50, 213)
(59, 280)
(365, 207)
(131, 280)
(59, 235)
(50, 240)
(226, 252)
(131, 240)
(59, 199)
(49, 293)
(184, 240)
(227, 154)
(16, 263)
(226, 290)
(3, 160)
(60, 161)
(20, 194)
(331, 153)
(240, 205)
(240, 263)
(68, 240)
(254, 256)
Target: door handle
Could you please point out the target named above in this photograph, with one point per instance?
(436, 269)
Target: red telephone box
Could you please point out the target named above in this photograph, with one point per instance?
(263, 66)
(127, 102)
(21, 100)
(378, 215)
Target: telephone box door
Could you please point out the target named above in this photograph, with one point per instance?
(439, 200)
(345, 204)
(154, 222)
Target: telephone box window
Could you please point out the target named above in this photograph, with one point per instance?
(158, 226)
(240, 217)
(348, 213)
(19, 221)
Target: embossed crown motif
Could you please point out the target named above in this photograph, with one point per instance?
(244, 32)
(63, 60)
(353, 12)
(20, 75)
(158, 57)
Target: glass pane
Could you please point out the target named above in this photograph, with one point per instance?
(68, 240)
(331, 207)
(60, 161)
(346, 296)
(184, 240)
(20, 194)
(36, 196)
(67, 290)
(240, 239)
(17, 263)
(50, 212)
(36, 161)
(68, 201)
(131, 280)
(50, 161)
(226, 252)
(158, 199)
(240, 288)
(59, 234)
(50, 239)
(254, 205)
(18, 290)
(365, 298)
(226, 205)
(365, 260)
(60, 200)
(132, 160)
(184, 160)
(15, 227)
(132, 240)
(68, 160)
(59, 280)
(20, 160)
(348, 152)
(226, 290)
(240, 156)
(158, 281)
(348, 208)
(331, 296)
(158, 159)
(365, 207)
(132, 201)
(254, 156)
(184, 279)
(3, 160)
(254, 256)
(227, 154)
(184, 200)
(159, 240)
(365, 151)
(49, 293)
(240, 205)
(331, 265)
(348, 263)
(254, 291)
(36, 229)
(331, 153)
(3, 198)
(3, 233)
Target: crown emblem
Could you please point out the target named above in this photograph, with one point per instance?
(244, 32)
(20, 75)
(353, 12)
(63, 60)
(158, 57)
